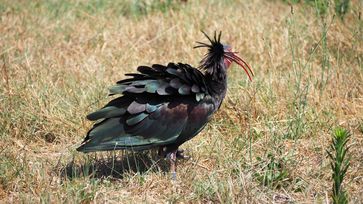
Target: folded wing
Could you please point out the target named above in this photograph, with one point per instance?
(154, 109)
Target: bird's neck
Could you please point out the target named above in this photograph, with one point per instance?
(217, 83)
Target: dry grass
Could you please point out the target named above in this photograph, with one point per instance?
(59, 57)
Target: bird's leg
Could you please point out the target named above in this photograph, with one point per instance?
(162, 152)
(172, 154)
(172, 158)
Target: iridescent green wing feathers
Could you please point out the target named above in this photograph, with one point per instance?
(153, 110)
(173, 79)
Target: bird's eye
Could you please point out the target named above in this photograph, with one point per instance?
(227, 47)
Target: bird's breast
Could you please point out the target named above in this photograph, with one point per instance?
(198, 117)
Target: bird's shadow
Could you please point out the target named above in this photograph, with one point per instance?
(114, 166)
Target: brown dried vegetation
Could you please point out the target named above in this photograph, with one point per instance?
(266, 144)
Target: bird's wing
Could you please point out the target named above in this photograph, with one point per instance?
(173, 79)
(153, 111)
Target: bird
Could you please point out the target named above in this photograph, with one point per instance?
(163, 106)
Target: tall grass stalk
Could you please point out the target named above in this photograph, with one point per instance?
(322, 9)
(301, 89)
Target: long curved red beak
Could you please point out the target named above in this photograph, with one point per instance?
(235, 58)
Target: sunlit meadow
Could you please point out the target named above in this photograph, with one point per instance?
(268, 142)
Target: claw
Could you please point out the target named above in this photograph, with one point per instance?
(180, 154)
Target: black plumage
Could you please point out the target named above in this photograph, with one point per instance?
(163, 106)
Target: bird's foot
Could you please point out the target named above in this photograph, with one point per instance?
(172, 156)
(180, 153)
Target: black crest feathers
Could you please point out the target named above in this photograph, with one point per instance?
(215, 54)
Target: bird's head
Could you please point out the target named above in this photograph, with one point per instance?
(221, 56)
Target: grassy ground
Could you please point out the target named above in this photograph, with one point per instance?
(267, 143)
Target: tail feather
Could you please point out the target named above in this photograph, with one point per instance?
(110, 134)
(106, 112)
(115, 108)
